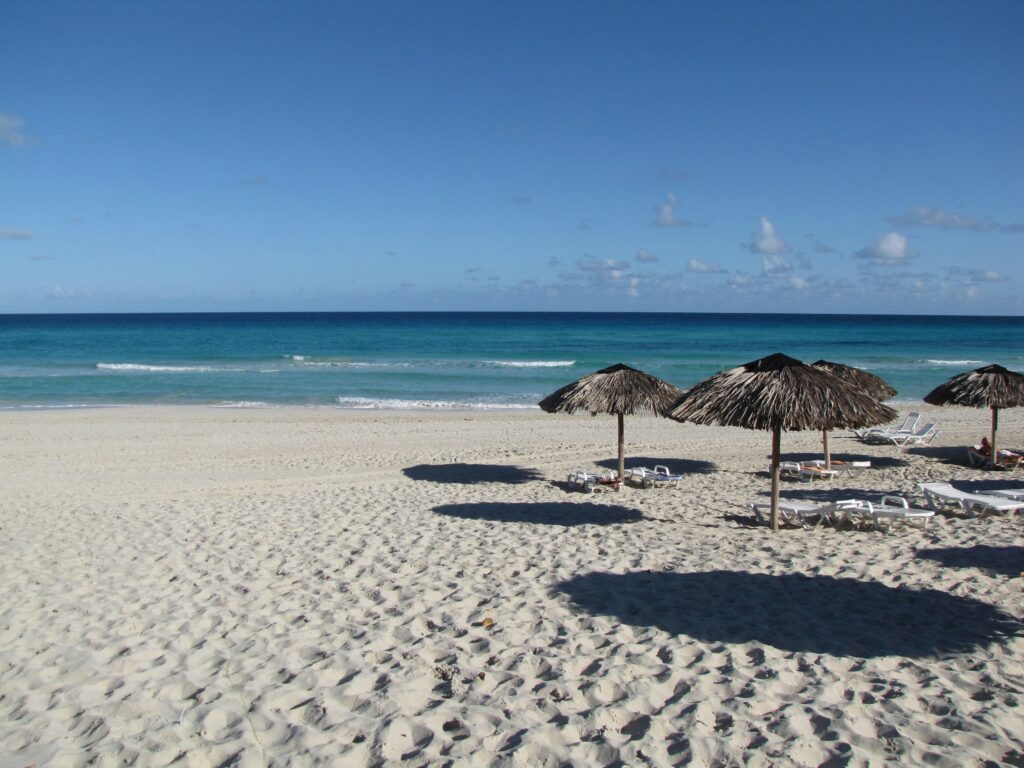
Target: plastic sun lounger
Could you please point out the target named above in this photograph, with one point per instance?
(807, 514)
(879, 434)
(805, 472)
(651, 478)
(886, 513)
(1017, 494)
(588, 481)
(851, 468)
(944, 496)
(923, 436)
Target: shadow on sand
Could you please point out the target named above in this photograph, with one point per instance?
(471, 474)
(877, 462)
(794, 612)
(1000, 481)
(998, 561)
(948, 454)
(552, 513)
(826, 492)
(676, 466)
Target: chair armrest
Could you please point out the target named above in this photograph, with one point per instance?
(896, 501)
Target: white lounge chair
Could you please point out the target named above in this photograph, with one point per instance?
(923, 436)
(651, 478)
(806, 471)
(879, 434)
(807, 514)
(886, 513)
(1017, 494)
(944, 496)
(851, 468)
(588, 481)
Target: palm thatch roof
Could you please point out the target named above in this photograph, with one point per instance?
(779, 392)
(868, 383)
(618, 390)
(990, 387)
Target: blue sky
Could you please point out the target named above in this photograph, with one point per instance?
(794, 156)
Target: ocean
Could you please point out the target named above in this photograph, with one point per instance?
(451, 360)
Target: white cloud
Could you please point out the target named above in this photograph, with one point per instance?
(665, 214)
(766, 240)
(15, 234)
(698, 266)
(819, 247)
(738, 280)
(774, 266)
(645, 257)
(10, 130)
(590, 264)
(978, 275)
(922, 216)
(797, 283)
(889, 250)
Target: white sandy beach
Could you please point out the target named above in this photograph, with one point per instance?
(201, 586)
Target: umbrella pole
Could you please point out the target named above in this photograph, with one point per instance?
(828, 454)
(995, 426)
(622, 449)
(776, 444)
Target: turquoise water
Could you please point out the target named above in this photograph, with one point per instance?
(452, 360)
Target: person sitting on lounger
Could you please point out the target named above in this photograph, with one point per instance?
(1005, 457)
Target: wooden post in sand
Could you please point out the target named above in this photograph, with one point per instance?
(776, 445)
(995, 426)
(622, 449)
(828, 455)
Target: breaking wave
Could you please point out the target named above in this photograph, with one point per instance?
(395, 404)
(161, 368)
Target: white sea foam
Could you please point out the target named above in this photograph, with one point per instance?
(955, 362)
(160, 368)
(530, 363)
(395, 404)
(353, 364)
(337, 363)
(61, 406)
(241, 404)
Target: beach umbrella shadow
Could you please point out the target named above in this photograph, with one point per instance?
(877, 462)
(999, 561)
(564, 513)
(677, 466)
(471, 474)
(795, 612)
(948, 454)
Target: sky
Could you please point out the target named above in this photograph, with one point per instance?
(854, 157)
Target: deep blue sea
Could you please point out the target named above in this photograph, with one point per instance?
(452, 360)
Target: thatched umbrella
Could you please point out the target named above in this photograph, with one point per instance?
(779, 393)
(868, 383)
(618, 390)
(992, 387)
